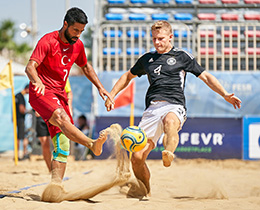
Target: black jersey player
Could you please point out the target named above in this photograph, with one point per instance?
(165, 111)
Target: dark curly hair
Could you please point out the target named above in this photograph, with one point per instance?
(75, 15)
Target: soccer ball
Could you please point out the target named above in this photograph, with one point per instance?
(133, 138)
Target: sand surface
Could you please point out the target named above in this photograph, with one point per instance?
(187, 184)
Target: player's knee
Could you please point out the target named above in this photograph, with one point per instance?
(61, 147)
(45, 143)
(58, 117)
(55, 118)
(171, 124)
(139, 158)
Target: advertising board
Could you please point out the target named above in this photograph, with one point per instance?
(251, 137)
(210, 138)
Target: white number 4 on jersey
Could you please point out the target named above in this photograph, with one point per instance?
(158, 70)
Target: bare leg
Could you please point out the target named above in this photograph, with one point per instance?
(139, 166)
(18, 146)
(58, 171)
(171, 138)
(46, 151)
(60, 119)
(25, 144)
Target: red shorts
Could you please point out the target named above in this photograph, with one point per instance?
(47, 104)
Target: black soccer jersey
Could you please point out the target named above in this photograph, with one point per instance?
(166, 74)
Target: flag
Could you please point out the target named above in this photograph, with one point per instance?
(5, 78)
(126, 97)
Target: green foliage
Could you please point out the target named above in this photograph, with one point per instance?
(22, 48)
(7, 42)
(7, 32)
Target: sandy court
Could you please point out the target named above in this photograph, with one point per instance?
(187, 184)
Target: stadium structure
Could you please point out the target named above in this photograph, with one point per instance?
(224, 35)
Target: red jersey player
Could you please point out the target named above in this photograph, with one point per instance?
(48, 70)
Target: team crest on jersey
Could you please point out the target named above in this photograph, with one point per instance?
(171, 61)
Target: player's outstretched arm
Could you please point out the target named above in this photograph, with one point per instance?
(32, 74)
(215, 85)
(120, 85)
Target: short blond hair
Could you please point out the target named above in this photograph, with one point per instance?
(162, 24)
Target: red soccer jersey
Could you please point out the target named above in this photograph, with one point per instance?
(55, 59)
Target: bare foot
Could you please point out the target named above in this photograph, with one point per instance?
(98, 143)
(167, 158)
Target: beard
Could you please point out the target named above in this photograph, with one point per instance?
(69, 37)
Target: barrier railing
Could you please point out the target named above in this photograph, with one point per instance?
(119, 45)
(229, 47)
(217, 46)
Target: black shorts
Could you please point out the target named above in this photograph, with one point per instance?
(20, 129)
(41, 128)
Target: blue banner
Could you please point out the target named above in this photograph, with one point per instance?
(82, 94)
(6, 120)
(203, 102)
(210, 138)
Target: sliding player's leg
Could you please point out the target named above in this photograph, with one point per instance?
(61, 119)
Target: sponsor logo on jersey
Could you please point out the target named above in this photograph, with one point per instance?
(151, 60)
(171, 61)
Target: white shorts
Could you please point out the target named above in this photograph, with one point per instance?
(152, 120)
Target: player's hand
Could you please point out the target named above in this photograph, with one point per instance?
(235, 101)
(103, 93)
(39, 88)
(109, 105)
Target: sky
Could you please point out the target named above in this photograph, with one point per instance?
(50, 14)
